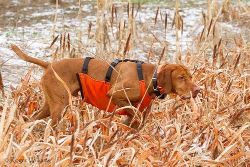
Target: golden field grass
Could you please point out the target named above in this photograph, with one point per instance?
(211, 130)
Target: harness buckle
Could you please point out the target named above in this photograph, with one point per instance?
(116, 61)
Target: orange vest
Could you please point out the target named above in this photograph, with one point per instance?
(95, 93)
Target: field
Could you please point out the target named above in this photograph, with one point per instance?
(211, 37)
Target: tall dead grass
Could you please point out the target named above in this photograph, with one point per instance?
(211, 130)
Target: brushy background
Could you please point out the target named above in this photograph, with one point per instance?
(211, 130)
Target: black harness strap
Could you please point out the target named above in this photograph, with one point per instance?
(135, 61)
(110, 69)
(139, 70)
(117, 61)
(85, 71)
(155, 86)
(86, 64)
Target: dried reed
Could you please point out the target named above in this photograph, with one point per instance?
(211, 130)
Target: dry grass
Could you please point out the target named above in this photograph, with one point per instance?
(211, 130)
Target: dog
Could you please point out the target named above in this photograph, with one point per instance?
(128, 81)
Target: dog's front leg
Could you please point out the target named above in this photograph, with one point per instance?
(125, 94)
(133, 120)
(138, 123)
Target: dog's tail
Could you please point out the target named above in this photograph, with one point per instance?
(27, 58)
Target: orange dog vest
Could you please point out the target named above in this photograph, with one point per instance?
(95, 92)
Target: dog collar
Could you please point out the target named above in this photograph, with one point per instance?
(157, 88)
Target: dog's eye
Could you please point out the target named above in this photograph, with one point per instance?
(181, 78)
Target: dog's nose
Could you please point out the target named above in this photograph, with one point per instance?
(195, 91)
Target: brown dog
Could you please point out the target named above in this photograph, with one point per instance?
(124, 87)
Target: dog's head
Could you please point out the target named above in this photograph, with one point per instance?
(176, 78)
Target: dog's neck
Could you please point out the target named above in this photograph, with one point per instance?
(159, 68)
(149, 72)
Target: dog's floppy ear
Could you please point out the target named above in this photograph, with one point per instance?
(165, 78)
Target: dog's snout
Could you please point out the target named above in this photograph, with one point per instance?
(196, 90)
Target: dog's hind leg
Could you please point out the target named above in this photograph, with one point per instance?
(56, 113)
(57, 101)
(42, 113)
